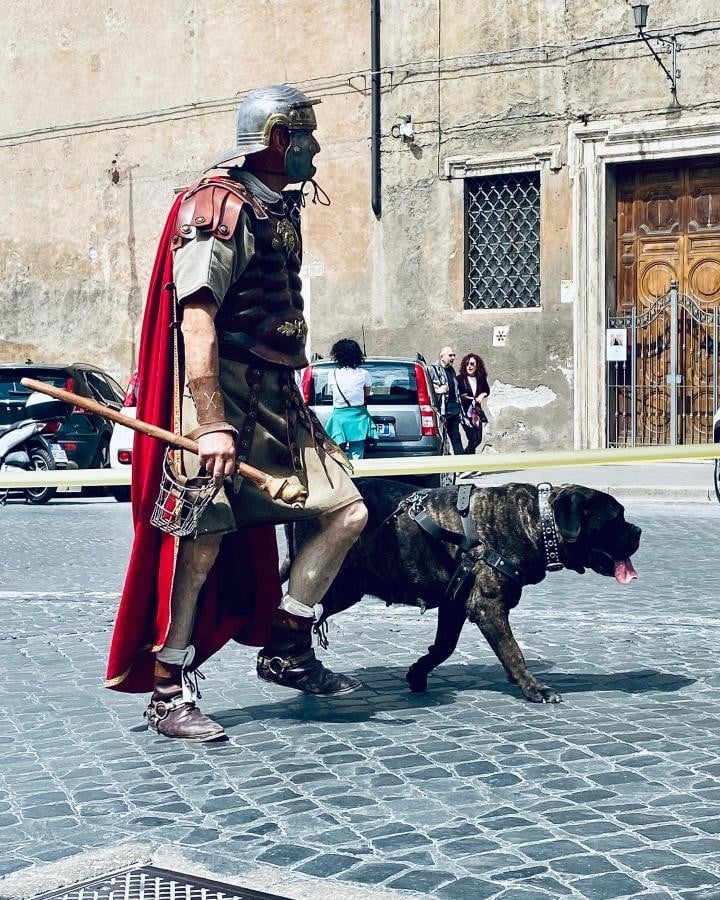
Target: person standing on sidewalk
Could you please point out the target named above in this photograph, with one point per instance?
(350, 422)
(473, 388)
(227, 272)
(445, 384)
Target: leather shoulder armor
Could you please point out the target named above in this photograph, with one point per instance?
(213, 205)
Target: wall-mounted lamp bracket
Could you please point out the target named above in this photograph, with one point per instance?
(640, 11)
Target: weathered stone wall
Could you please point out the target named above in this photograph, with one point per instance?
(108, 110)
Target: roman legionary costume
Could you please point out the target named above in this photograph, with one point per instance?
(234, 239)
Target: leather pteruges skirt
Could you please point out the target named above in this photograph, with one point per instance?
(279, 435)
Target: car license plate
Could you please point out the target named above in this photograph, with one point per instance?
(385, 429)
(58, 453)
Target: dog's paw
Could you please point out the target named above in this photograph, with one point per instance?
(417, 681)
(541, 693)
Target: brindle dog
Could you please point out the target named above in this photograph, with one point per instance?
(399, 562)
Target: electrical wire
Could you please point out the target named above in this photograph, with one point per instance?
(445, 69)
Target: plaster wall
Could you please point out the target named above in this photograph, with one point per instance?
(109, 109)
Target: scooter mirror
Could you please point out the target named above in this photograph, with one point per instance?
(43, 408)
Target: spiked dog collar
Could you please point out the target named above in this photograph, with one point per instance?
(549, 529)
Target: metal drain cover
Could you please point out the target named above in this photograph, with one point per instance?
(149, 883)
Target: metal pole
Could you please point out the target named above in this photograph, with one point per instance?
(715, 363)
(375, 174)
(673, 67)
(672, 375)
(633, 377)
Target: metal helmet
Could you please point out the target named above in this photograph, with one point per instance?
(263, 108)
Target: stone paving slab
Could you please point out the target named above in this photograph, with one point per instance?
(464, 792)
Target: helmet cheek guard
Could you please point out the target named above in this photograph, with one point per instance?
(299, 156)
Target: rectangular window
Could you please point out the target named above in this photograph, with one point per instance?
(393, 383)
(502, 241)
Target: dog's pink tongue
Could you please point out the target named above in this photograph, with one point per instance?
(625, 571)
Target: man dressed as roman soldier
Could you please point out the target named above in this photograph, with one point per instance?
(223, 334)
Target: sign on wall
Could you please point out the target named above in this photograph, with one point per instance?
(616, 344)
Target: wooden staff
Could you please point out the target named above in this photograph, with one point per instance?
(289, 490)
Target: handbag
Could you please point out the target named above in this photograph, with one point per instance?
(477, 416)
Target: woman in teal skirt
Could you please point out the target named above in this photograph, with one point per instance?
(350, 423)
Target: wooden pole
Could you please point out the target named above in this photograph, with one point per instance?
(289, 490)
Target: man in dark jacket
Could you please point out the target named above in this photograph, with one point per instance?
(445, 384)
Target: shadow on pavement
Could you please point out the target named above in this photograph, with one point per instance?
(384, 690)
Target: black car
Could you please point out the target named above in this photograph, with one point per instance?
(85, 436)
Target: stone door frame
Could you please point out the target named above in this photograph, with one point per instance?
(593, 150)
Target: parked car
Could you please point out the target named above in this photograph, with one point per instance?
(121, 442)
(84, 436)
(402, 404)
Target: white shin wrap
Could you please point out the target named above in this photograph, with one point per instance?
(183, 658)
(291, 605)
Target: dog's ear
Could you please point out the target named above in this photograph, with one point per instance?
(570, 508)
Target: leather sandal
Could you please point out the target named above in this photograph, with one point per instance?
(288, 659)
(305, 673)
(172, 711)
(180, 718)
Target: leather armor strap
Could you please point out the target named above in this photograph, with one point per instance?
(208, 399)
(214, 205)
(292, 403)
(253, 376)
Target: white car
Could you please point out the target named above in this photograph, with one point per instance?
(121, 442)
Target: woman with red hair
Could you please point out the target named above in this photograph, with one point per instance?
(473, 389)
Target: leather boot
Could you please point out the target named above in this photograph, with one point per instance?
(172, 711)
(288, 659)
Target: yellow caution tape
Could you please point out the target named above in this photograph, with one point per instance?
(65, 478)
(415, 465)
(538, 459)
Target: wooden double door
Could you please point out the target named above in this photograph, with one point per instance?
(668, 231)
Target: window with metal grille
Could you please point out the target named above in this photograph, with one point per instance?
(502, 241)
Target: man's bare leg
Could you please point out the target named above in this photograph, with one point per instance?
(172, 710)
(196, 556)
(288, 658)
(319, 560)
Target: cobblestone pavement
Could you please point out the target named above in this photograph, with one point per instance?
(465, 792)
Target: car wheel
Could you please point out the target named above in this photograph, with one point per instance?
(42, 461)
(716, 479)
(448, 479)
(121, 493)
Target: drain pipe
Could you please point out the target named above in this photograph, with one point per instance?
(375, 174)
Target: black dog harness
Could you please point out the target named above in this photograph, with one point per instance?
(473, 548)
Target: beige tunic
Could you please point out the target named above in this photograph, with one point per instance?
(285, 441)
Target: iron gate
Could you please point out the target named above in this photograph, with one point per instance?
(666, 389)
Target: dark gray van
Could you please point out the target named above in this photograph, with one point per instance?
(402, 404)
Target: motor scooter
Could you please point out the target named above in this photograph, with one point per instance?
(24, 445)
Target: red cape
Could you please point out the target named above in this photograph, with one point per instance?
(242, 590)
